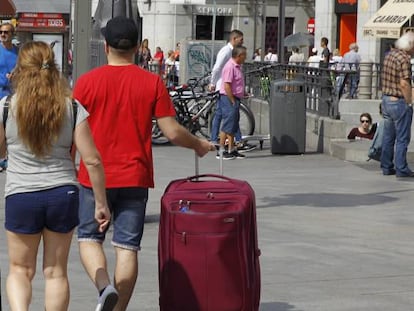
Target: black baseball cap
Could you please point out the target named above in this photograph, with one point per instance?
(121, 33)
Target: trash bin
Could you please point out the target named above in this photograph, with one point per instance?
(287, 113)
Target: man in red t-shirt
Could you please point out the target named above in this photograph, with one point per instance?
(122, 99)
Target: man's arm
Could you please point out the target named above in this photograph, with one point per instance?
(179, 136)
(229, 93)
(405, 87)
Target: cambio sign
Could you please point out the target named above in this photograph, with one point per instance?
(389, 19)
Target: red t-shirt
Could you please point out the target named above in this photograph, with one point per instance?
(121, 101)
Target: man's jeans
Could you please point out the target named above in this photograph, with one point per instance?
(397, 131)
(215, 126)
(353, 84)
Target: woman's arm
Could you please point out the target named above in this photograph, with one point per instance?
(92, 159)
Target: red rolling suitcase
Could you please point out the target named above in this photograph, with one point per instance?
(208, 253)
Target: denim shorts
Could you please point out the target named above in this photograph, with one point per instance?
(55, 209)
(127, 207)
(231, 115)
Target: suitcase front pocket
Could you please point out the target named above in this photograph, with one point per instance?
(210, 267)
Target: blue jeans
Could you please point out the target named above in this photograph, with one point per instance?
(127, 207)
(230, 115)
(215, 126)
(397, 132)
(353, 80)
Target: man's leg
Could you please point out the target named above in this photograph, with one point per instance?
(388, 141)
(353, 87)
(94, 261)
(126, 274)
(215, 125)
(403, 136)
(129, 217)
(91, 251)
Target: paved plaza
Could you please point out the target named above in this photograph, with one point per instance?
(334, 235)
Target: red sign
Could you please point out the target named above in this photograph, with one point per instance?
(41, 23)
(311, 25)
(40, 15)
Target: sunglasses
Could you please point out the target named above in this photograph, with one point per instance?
(6, 32)
(365, 121)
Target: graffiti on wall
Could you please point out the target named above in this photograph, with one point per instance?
(198, 59)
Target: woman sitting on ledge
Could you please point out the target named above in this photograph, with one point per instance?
(365, 130)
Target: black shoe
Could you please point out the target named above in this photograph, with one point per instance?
(237, 154)
(245, 147)
(390, 172)
(410, 174)
(226, 156)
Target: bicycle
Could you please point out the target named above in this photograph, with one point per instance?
(195, 111)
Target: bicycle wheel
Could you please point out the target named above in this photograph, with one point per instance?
(202, 117)
(247, 122)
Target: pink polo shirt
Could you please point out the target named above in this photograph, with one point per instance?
(233, 74)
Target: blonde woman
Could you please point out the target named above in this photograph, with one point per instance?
(41, 178)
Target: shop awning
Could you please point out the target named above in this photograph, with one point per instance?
(43, 6)
(388, 20)
(7, 9)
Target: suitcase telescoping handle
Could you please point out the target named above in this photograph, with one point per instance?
(197, 162)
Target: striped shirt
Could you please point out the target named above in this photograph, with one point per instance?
(396, 67)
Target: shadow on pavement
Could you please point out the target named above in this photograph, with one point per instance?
(277, 306)
(152, 218)
(325, 200)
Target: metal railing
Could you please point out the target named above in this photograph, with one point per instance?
(323, 87)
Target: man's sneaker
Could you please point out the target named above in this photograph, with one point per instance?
(226, 156)
(237, 154)
(108, 299)
(245, 147)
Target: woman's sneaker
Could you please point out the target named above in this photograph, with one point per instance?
(108, 299)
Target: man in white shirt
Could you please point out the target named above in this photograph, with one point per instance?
(270, 56)
(296, 57)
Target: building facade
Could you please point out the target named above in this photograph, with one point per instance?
(165, 24)
(342, 21)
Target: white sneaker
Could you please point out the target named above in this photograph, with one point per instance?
(108, 299)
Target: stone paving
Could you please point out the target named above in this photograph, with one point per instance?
(334, 235)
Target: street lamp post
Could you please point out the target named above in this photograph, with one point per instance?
(82, 36)
(213, 35)
(281, 32)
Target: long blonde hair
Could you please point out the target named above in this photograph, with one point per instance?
(41, 93)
